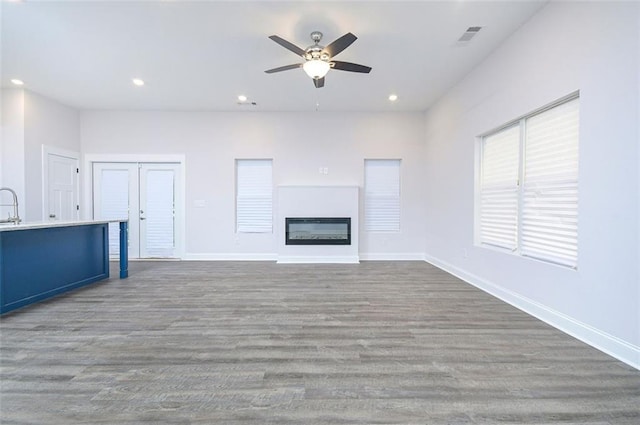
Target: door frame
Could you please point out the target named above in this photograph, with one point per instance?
(87, 185)
(50, 150)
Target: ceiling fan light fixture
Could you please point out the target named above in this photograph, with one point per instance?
(316, 68)
(320, 59)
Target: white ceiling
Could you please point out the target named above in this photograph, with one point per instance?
(202, 55)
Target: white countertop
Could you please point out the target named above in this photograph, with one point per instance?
(7, 227)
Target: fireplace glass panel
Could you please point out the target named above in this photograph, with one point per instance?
(318, 231)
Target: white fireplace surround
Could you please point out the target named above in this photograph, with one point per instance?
(317, 201)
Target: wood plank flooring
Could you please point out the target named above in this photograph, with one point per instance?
(262, 343)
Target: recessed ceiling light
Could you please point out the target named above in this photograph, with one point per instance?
(393, 97)
(138, 82)
(17, 82)
(242, 98)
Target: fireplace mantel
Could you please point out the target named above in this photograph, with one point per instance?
(317, 201)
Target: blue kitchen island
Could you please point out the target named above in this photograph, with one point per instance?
(40, 260)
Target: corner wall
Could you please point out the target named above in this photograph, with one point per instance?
(48, 123)
(12, 167)
(30, 121)
(592, 47)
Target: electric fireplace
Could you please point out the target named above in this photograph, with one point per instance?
(318, 230)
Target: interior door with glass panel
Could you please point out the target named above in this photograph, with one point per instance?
(115, 196)
(145, 194)
(157, 210)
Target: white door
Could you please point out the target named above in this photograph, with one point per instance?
(61, 188)
(144, 193)
(157, 210)
(115, 196)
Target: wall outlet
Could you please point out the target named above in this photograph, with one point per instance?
(465, 253)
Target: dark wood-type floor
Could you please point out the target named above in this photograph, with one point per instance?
(261, 343)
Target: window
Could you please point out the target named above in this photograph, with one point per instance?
(499, 188)
(528, 186)
(382, 195)
(254, 196)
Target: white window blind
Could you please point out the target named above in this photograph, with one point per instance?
(254, 196)
(538, 216)
(550, 193)
(160, 213)
(114, 193)
(382, 195)
(499, 188)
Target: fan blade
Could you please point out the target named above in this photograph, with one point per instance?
(318, 82)
(290, 46)
(348, 66)
(340, 44)
(284, 68)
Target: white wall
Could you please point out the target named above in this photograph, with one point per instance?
(12, 167)
(594, 48)
(1, 116)
(49, 123)
(30, 121)
(299, 143)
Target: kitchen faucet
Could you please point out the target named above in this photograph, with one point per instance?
(16, 217)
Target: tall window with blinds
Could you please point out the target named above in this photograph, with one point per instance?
(499, 188)
(528, 191)
(550, 189)
(382, 195)
(254, 196)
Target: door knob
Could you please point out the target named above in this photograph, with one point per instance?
(52, 216)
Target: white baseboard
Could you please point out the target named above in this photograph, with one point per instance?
(325, 259)
(384, 256)
(609, 344)
(229, 257)
(410, 256)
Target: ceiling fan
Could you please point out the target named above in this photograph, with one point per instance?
(319, 59)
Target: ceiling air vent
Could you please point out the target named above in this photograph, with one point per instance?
(469, 34)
